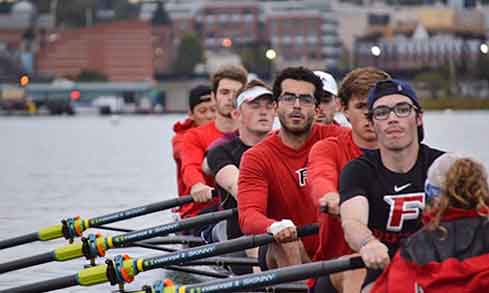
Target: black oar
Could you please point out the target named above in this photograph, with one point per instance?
(74, 227)
(177, 239)
(123, 269)
(93, 246)
(272, 277)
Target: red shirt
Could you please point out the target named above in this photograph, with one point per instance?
(272, 184)
(326, 160)
(195, 143)
(177, 143)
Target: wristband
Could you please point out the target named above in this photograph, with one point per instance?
(276, 227)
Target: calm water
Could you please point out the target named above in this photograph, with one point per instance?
(51, 168)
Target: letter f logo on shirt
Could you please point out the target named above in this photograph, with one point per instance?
(302, 176)
(403, 207)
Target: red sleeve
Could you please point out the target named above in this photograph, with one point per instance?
(177, 143)
(328, 130)
(323, 171)
(252, 195)
(192, 158)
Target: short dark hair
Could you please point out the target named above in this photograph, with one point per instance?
(358, 83)
(298, 73)
(233, 72)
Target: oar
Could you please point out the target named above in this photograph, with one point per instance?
(94, 246)
(267, 278)
(123, 269)
(177, 239)
(74, 227)
(163, 287)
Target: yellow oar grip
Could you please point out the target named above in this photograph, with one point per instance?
(93, 275)
(52, 232)
(69, 251)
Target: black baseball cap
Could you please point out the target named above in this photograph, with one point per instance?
(392, 87)
(198, 94)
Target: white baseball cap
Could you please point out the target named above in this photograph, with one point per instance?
(329, 84)
(251, 94)
(435, 180)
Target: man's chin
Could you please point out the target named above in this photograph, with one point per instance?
(296, 129)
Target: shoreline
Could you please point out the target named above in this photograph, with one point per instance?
(455, 104)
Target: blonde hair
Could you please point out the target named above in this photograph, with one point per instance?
(465, 187)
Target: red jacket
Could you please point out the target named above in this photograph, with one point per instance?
(177, 142)
(195, 144)
(427, 263)
(326, 160)
(272, 184)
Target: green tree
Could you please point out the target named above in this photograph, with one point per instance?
(435, 81)
(255, 60)
(190, 53)
(88, 75)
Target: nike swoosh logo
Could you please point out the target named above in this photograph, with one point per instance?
(400, 188)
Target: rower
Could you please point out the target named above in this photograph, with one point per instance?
(382, 192)
(226, 82)
(327, 107)
(202, 110)
(327, 159)
(451, 252)
(255, 112)
(273, 194)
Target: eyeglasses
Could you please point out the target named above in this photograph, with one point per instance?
(304, 100)
(401, 110)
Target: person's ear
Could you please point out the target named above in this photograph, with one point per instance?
(338, 107)
(235, 114)
(419, 119)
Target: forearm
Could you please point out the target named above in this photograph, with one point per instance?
(357, 234)
(227, 178)
(253, 222)
(354, 218)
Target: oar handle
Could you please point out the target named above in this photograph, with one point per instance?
(45, 286)
(309, 229)
(19, 240)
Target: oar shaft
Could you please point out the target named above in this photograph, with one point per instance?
(277, 276)
(139, 211)
(45, 286)
(214, 249)
(58, 231)
(76, 250)
(166, 229)
(27, 262)
(19, 240)
(208, 273)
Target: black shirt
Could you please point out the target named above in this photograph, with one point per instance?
(395, 199)
(229, 153)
